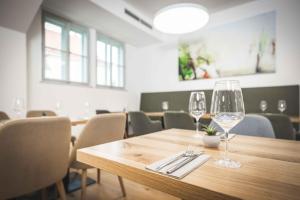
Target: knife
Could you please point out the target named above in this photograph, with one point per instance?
(182, 163)
(169, 162)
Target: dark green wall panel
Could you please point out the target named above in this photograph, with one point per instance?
(178, 100)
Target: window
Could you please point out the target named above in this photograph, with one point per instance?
(110, 62)
(65, 51)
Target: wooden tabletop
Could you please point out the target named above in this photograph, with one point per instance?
(295, 119)
(270, 167)
(161, 114)
(75, 122)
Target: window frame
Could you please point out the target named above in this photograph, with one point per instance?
(113, 42)
(71, 26)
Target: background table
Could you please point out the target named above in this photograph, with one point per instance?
(270, 167)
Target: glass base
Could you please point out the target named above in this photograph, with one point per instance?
(227, 163)
(197, 135)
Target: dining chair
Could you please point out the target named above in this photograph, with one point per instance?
(282, 126)
(40, 113)
(141, 124)
(98, 112)
(99, 129)
(3, 116)
(253, 125)
(181, 120)
(34, 154)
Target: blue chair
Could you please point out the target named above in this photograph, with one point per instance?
(252, 125)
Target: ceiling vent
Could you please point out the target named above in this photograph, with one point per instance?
(135, 17)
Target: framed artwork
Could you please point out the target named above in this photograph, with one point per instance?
(240, 48)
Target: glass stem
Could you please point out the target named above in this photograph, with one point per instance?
(226, 145)
(197, 125)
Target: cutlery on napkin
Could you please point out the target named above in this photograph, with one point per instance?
(182, 166)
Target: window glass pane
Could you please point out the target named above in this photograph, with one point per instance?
(53, 35)
(65, 51)
(112, 65)
(76, 42)
(121, 76)
(101, 50)
(108, 74)
(115, 75)
(121, 62)
(78, 68)
(54, 65)
(108, 50)
(115, 55)
(101, 73)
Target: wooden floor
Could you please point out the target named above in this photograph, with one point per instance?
(109, 189)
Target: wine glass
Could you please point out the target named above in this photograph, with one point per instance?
(197, 107)
(165, 105)
(18, 106)
(282, 105)
(227, 110)
(58, 107)
(263, 105)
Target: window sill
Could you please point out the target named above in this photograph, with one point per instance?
(111, 88)
(59, 82)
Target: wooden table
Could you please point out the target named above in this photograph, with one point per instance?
(161, 114)
(270, 167)
(75, 122)
(295, 119)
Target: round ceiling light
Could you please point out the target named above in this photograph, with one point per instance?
(181, 18)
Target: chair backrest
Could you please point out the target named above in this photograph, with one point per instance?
(3, 116)
(33, 154)
(282, 126)
(140, 122)
(253, 125)
(40, 113)
(102, 112)
(100, 129)
(181, 120)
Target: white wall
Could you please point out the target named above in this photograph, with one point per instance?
(12, 68)
(44, 95)
(148, 69)
(158, 68)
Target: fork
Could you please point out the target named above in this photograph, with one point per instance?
(187, 153)
(182, 163)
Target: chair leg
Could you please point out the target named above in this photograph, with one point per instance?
(98, 176)
(83, 184)
(61, 190)
(44, 194)
(122, 186)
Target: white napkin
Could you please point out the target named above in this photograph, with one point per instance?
(181, 172)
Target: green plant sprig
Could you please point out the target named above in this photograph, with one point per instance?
(210, 130)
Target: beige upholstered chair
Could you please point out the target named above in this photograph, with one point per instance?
(3, 116)
(40, 113)
(34, 154)
(98, 130)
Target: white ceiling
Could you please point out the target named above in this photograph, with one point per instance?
(18, 14)
(93, 15)
(150, 7)
(106, 16)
